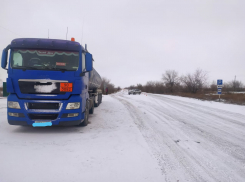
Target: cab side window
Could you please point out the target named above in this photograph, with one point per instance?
(17, 59)
(83, 61)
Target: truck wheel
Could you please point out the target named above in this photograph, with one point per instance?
(91, 110)
(98, 100)
(86, 114)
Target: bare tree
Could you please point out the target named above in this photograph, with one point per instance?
(139, 86)
(149, 87)
(236, 85)
(106, 83)
(213, 86)
(196, 81)
(170, 78)
(159, 87)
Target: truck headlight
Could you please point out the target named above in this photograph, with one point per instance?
(73, 105)
(13, 105)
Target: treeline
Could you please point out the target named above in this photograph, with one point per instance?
(106, 84)
(196, 82)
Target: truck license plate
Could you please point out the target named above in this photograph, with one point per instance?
(41, 124)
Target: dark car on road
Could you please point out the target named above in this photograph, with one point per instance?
(134, 92)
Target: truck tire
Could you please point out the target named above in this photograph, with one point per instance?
(86, 115)
(91, 110)
(97, 104)
(99, 101)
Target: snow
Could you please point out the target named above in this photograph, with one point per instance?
(110, 148)
(193, 140)
(45, 88)
(210, 104)
(237, 92)
(145, 137)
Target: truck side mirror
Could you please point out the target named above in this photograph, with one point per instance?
(88, 62)
(4, 58)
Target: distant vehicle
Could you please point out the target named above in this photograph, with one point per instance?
(131, 91)
(134, 91)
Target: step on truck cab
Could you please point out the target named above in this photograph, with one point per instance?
(51, 82)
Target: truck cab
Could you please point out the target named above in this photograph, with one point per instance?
(48, 82)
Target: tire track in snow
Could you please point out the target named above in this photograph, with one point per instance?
(175, 166)
(235, 118)
(214, 134)
(214, 141)
(171, 113)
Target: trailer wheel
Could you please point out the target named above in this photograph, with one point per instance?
(86, 114)
(99, 100)
(97, 104)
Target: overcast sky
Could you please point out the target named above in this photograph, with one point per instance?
(136, 41)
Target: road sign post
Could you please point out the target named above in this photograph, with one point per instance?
(219, 87)
(219, 92)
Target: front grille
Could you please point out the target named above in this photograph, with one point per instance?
(35, 87)
(43, 116)
(43, 105)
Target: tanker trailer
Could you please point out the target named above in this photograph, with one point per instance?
(95, 93)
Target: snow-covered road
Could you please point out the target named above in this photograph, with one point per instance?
(134, 138)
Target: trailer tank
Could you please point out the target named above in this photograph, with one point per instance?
(94, 80)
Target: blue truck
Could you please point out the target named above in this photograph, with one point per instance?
(50, 82)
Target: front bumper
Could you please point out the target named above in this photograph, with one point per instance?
(62, 123)
(59, 113)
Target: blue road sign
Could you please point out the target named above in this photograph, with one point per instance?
(219, 82)
(219, 91)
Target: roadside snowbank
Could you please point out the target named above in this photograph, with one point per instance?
(216, 105)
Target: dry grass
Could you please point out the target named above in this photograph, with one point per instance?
(225, 97)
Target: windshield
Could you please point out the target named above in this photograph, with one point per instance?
(45, 60)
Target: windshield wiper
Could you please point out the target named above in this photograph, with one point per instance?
(26, 68)
(60, 69)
